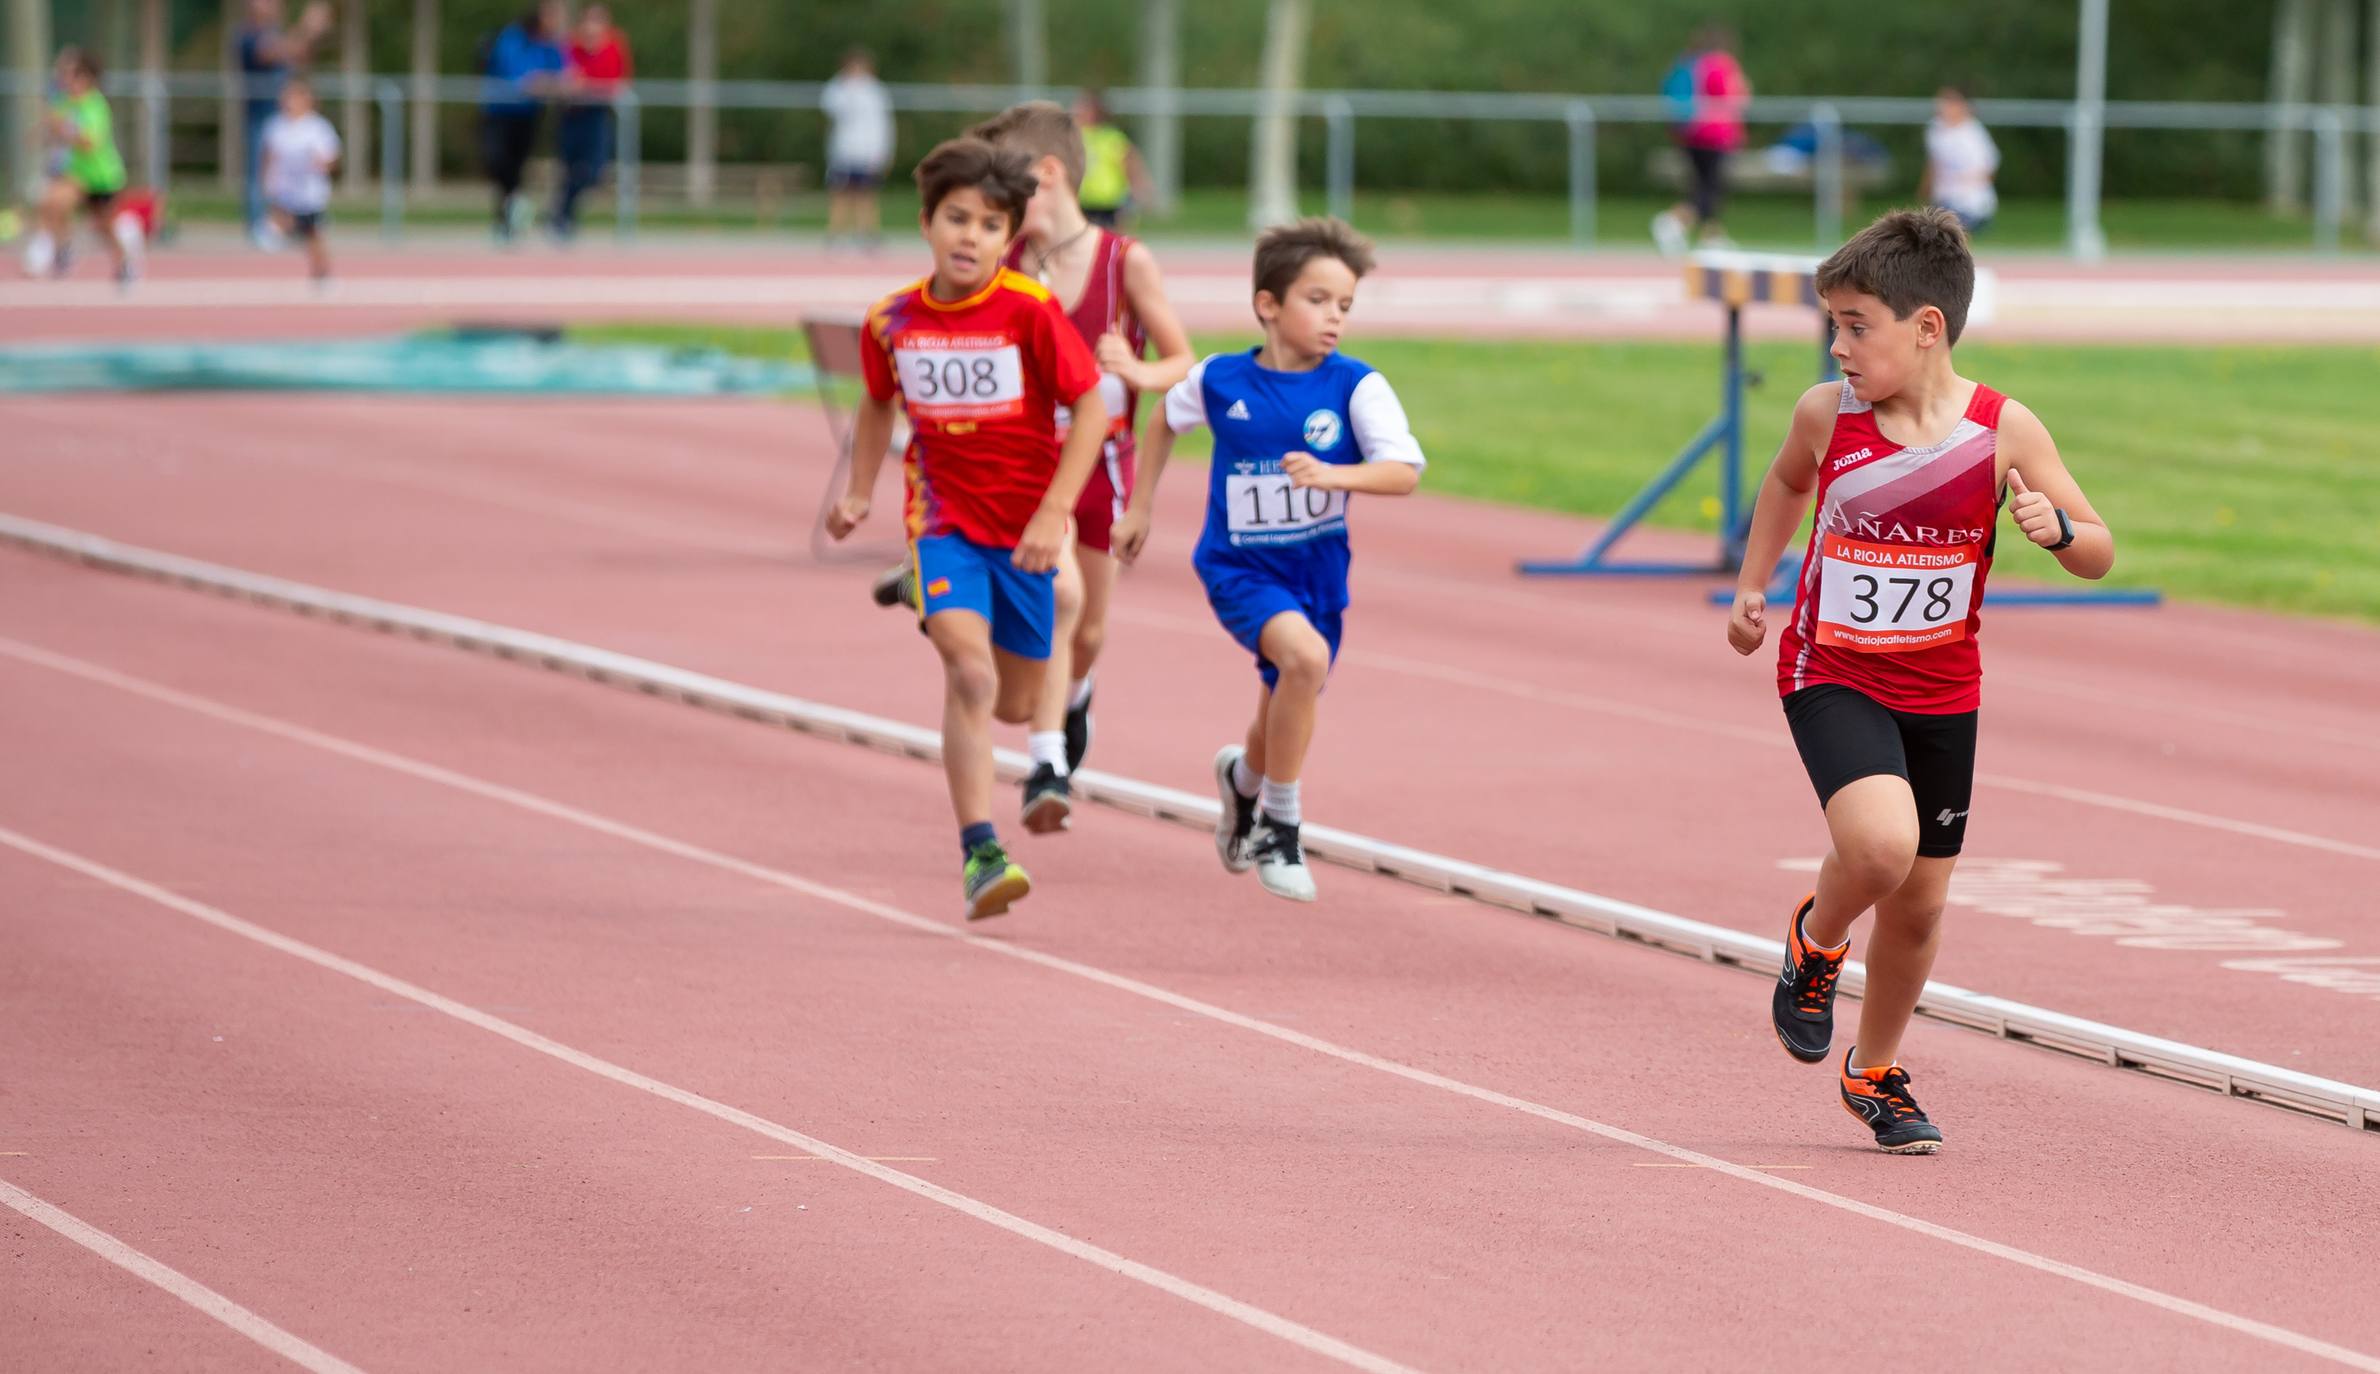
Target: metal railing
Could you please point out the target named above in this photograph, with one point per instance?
(1582, 119)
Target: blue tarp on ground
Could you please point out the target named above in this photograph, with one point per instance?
(465, 361)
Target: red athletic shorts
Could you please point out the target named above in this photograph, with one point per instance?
(1104, 495)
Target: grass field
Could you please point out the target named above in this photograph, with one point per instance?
(2246, 475)
(1766, 221)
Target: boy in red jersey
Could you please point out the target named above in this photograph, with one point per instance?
(1878, 666)
(980, 358)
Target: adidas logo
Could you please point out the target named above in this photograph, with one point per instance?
(1238, 411)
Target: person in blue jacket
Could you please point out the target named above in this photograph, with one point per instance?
(524, 64)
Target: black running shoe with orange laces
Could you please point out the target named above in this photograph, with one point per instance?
(1880, 1099)
(1803, 1005)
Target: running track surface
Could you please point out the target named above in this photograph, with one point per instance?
(1197, 1080)
(1419, 290)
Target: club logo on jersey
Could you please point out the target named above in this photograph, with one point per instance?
(1322, 429)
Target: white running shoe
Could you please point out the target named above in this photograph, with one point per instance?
(1238, 819)
(1280, 860)
(1670, 233)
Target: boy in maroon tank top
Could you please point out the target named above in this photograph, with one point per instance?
(1877, 665)
(1110, 288)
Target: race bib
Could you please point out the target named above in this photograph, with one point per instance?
(1265, 509)
(1111, 391)
(1891, 598)
(946, 378)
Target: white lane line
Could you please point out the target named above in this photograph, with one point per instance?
(1304, 1337)
(298, 1352)
(543, 806)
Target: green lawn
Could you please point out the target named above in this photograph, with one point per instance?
(1766, 221)
(2244, 475)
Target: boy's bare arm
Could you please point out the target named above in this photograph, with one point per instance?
(1132, 530)
(871, 434)
(1386, 477)
(1784, 496)
(1045, 535)
(2039, 486)
(1144, 290)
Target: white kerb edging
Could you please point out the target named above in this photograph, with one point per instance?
(2230, 1074)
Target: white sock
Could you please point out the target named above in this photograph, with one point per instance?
(1278, 801)
(1243, 779)
(1048, 746)
(41, 254)
(1079, 693)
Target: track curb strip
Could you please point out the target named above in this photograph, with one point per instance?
(2354, 1106)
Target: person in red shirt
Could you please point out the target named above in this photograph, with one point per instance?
(980, 358)
(600, 64)
(1877, 665)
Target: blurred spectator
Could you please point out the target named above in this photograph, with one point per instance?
(1709, 93)
(600, 64)
(267, 53)
(1115, 180)
(85, 173)
(523, 63)
(1960, 161)
(859, 146)
(300, 149)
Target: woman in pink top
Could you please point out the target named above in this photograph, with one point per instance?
(1712, 129)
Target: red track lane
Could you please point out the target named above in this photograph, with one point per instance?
(1597, 735)
(408, 1192)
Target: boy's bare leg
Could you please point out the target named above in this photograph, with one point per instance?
(1900, 958)
(1090, 630)
(318, 256)
(971, 686)
(1873, 822)
(1302, 658)
(1049, 712)
(1017, 684)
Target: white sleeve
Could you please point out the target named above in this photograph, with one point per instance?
(1381, 433)
(331, 146)
(1186, 400)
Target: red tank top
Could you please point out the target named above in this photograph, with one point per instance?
(1104, 306)
(1892, 582)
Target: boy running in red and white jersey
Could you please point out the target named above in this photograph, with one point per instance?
(1878, 667)
(981, 358)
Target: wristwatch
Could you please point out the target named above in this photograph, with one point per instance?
(2065, 530)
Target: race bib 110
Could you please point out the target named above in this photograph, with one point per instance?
(1892, 598)
(1263, 508)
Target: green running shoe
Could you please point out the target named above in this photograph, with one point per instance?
(993, 881)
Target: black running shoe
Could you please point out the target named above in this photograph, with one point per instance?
(1802, 1007)
(1078, 733)
(1880, 1099)
(1049, 800)
(1237, 819)
(895, 586)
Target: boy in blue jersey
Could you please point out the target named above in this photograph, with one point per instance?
(1298, 426)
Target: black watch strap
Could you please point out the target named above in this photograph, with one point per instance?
(2065, 530)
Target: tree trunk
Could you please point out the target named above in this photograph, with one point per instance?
(355, 122)
(29, 57)
(1272, 163)
(2284, 149)
(156, 113)
(1029, 34)
(702, 114)
(231, 154)
(1161, 76)
(423, 136)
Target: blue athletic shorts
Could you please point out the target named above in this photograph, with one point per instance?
(954, 573)
(1244, 602)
